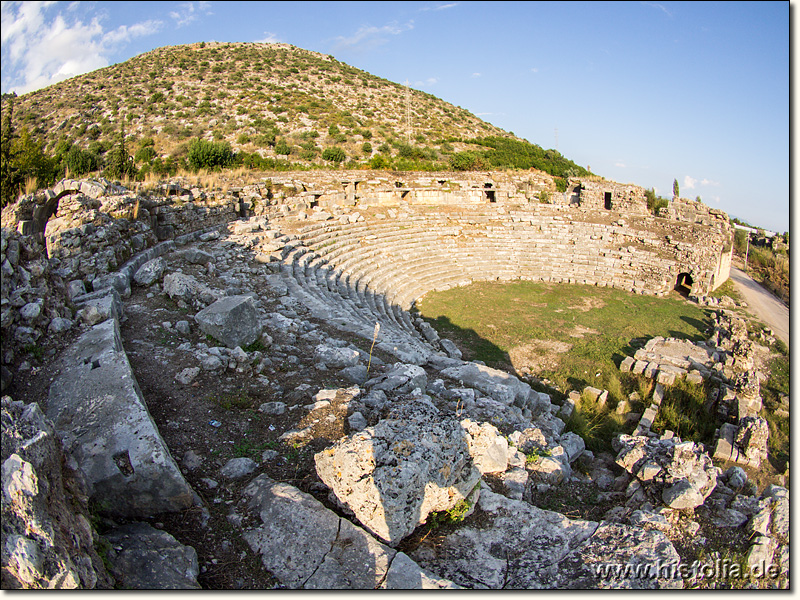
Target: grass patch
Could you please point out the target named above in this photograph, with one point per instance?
(490, 319)
(727, 289)
(595, 328)
(683, 413)
(230, 400)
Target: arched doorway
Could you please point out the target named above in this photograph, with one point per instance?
(684, 284)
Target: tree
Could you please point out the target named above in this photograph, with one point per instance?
(120, 162)
(8, 170)
(676, 191)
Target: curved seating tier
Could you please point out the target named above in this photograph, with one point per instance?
(372, 271)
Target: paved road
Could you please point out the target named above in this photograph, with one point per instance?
(763, 304)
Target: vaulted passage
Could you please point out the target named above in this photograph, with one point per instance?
(684, 284)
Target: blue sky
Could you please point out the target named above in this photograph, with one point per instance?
(641, 92)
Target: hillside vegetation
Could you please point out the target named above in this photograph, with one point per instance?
(261, 106)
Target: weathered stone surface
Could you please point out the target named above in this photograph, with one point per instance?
(405, 574)
(305, 545)
(685, 477)
(237, 468)
(145, 558)
(751, 439)
(488, 448)
(232, 320)
(47, 536)
(336, 358)
(187, 289)
(499, 385)
(394, 474)
(402, 379)
(520, 546)
(550, 470)
(150, 272)
(99, 413)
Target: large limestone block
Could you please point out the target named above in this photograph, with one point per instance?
(101, 417)
(232, 320)
(47, 540)
(186, 289)
(306, 545)
(487, 446)
(497, 384)
(520, 546)
(393, 475)
(144, 558)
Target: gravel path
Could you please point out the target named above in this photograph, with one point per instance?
(763, 304)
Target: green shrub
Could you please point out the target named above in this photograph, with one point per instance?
(334, 154)
(80, 162)
(209, 155)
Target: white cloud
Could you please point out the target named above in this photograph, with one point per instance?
(535, 70)
(439, 7)
(689, 182)
(427, 82)
(476, 75)
(271, 38)
(189, 12)
(621, 165)
(40, 50)
(709, 182)
(658, 6)
(370, 36)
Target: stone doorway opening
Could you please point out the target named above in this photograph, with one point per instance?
(607, 200)
(684, 284)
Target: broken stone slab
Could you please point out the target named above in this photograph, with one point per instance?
(686, 475)
(402, 379)
(306, 545)
(488, 448)
(496, 384)
(549, 470)
(336, 358)
(627, 364)
(185, 288)
(96, 307)
(393, 475)
(520, 546)
(150, 272)
(103, 421)
(144, 558)
(232, 320)
(450, 348)
(120, 281)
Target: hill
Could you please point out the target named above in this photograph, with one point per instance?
(263, 105)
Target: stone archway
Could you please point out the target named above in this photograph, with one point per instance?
(684, 284)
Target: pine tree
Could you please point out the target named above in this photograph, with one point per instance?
(9, 172)
(120, 163)
(676, 192)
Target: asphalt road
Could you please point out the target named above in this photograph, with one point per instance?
(763, 304)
